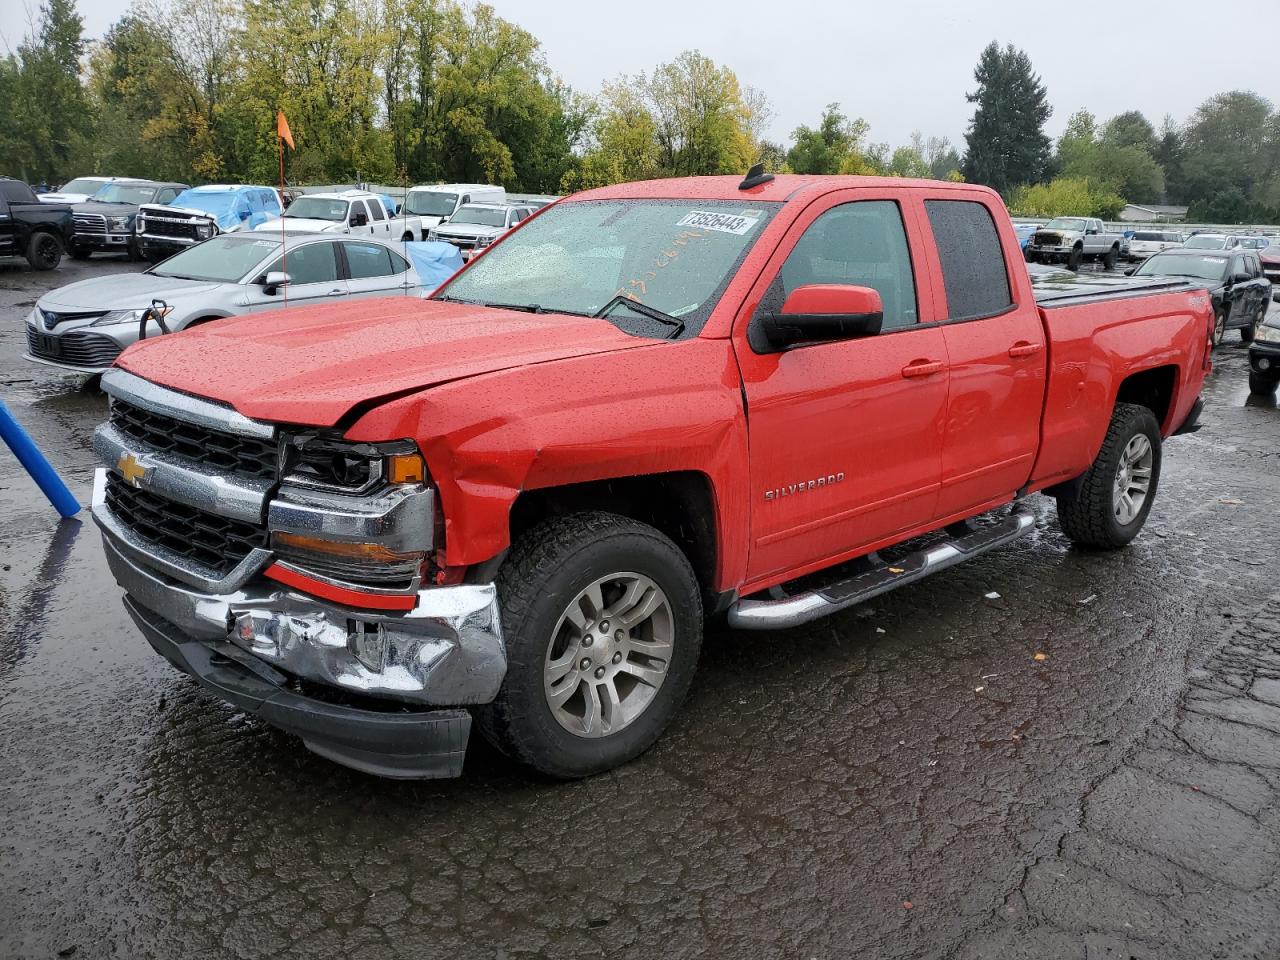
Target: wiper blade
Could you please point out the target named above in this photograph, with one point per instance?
(653, 313)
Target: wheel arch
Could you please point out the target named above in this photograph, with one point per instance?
(679, 504)
(1154, 389)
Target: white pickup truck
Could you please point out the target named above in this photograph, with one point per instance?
(354, 212)
(1072, 240)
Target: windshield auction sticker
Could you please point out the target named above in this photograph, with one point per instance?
(721, 222)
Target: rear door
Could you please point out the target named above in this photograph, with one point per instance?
(1242, 305)
(997, 355)
(379, 227)
(845, 437)
(374, 270)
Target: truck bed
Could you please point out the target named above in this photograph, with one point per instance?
(1059, 288)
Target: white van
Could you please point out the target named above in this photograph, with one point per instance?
(440, 201)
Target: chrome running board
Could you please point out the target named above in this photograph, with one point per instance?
(966, 543)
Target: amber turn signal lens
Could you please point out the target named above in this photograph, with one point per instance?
(406, 468)
(338, 548)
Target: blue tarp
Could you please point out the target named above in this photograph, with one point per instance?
(434, 260)
(388, 204)
(231, 206)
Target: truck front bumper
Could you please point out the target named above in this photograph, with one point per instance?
(109, 242)
(379, 679)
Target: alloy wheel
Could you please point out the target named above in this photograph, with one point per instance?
(1133, 479)
(609, 654)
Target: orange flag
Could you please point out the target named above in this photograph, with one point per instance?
(283, 131)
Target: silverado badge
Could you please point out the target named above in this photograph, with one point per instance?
(791, 489)
(132, 471)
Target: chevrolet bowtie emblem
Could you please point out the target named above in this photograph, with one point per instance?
(132, 471)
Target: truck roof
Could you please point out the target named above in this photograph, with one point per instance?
(784, 186)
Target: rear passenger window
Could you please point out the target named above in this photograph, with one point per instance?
(365, 260)
(863, 244)
(375, 209)
(973, 268)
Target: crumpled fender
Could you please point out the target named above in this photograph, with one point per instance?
(665, 408)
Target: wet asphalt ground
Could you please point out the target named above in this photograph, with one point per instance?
(1086, 765)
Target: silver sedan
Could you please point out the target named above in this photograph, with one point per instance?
(84, 326)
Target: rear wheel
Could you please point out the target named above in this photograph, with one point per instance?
(602, 618)
(1261, 383)
(1109, 505)
(1075, 258)
(44, 251)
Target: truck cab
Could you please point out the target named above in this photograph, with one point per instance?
(437, 203)
(354, 212)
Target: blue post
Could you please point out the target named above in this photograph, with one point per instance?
(29, 456)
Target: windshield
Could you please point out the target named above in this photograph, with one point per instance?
(481, 216)
(314, 208)
(1252, 243)
(1155, 237)
(431, 203)
(675, 256)
(1065, 223)
(222, 259)
(1206, 243)
(83, 185)
(135, 193)
(1177, 265)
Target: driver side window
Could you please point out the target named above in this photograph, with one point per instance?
(312, 263)
(862, 244)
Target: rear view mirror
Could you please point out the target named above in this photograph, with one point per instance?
(273, 281)
(823, 312)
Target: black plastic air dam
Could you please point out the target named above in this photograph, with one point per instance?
(422, 745)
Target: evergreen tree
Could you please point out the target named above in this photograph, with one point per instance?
(1006, 141)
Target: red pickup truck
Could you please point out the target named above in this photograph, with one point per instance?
(516, 501)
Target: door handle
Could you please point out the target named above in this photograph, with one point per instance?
(336, 293)
(922, 368)
(1024, 349)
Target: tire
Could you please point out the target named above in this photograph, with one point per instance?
(1219, 326)
(547, 576)
(1247, 332)
(1260, 384)
(80, 253)
(1075, 258)
(132, 252)
(44, 251)
(1109, 259)
(1031, 257)
(1089, 513)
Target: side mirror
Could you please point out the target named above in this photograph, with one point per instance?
(273, 281)
(359, 219)
(244, 214)
(823, 312)
(1241, 278)
(1131, 271)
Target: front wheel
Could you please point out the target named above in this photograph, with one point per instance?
(1109, 505)
(1248, 331)
(1264, 385)
(1075, 258)
(602, 618)
(44, 251)
(1109, 259)
(1219, 326)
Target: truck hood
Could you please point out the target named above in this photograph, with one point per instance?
(312, 365)
(123, 291)
(62, 197)
(106, 209)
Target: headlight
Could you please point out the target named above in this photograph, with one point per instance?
(204, 231)
(118, 224)
(325, 463)
(127, 316)
(139, 223)
(432, 235)
(483, 241)
(1268, 333)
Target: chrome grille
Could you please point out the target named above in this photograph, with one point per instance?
(90, 223)
(169, 227)
(216, 543)
(76, 348)
(233, 453)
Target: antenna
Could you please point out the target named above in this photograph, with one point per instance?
(755, 177)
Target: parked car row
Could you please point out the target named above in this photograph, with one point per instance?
(1234, 279)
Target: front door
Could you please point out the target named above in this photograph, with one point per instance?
(997, 355)
(313, 275)
(845, 437)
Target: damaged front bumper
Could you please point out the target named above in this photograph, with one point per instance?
(253, 644)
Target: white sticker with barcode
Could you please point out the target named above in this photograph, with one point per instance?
(722, 222)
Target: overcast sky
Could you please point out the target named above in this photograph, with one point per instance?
(902, 65)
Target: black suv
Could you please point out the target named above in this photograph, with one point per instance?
(31, 229)
(105, 222)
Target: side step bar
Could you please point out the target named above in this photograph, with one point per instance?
(801, 608)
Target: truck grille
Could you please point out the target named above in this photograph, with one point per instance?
(1048, 239)
(215, 543)
(76, 348)
(168, 227)
(246, 456)
(90, 224)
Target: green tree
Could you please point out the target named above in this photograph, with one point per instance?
(836, 145)
(1065, 197)
(1131, 129)
(705, 120)
(1006, 141)
(908, 162)
(1115, 158)
(1231, 146)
